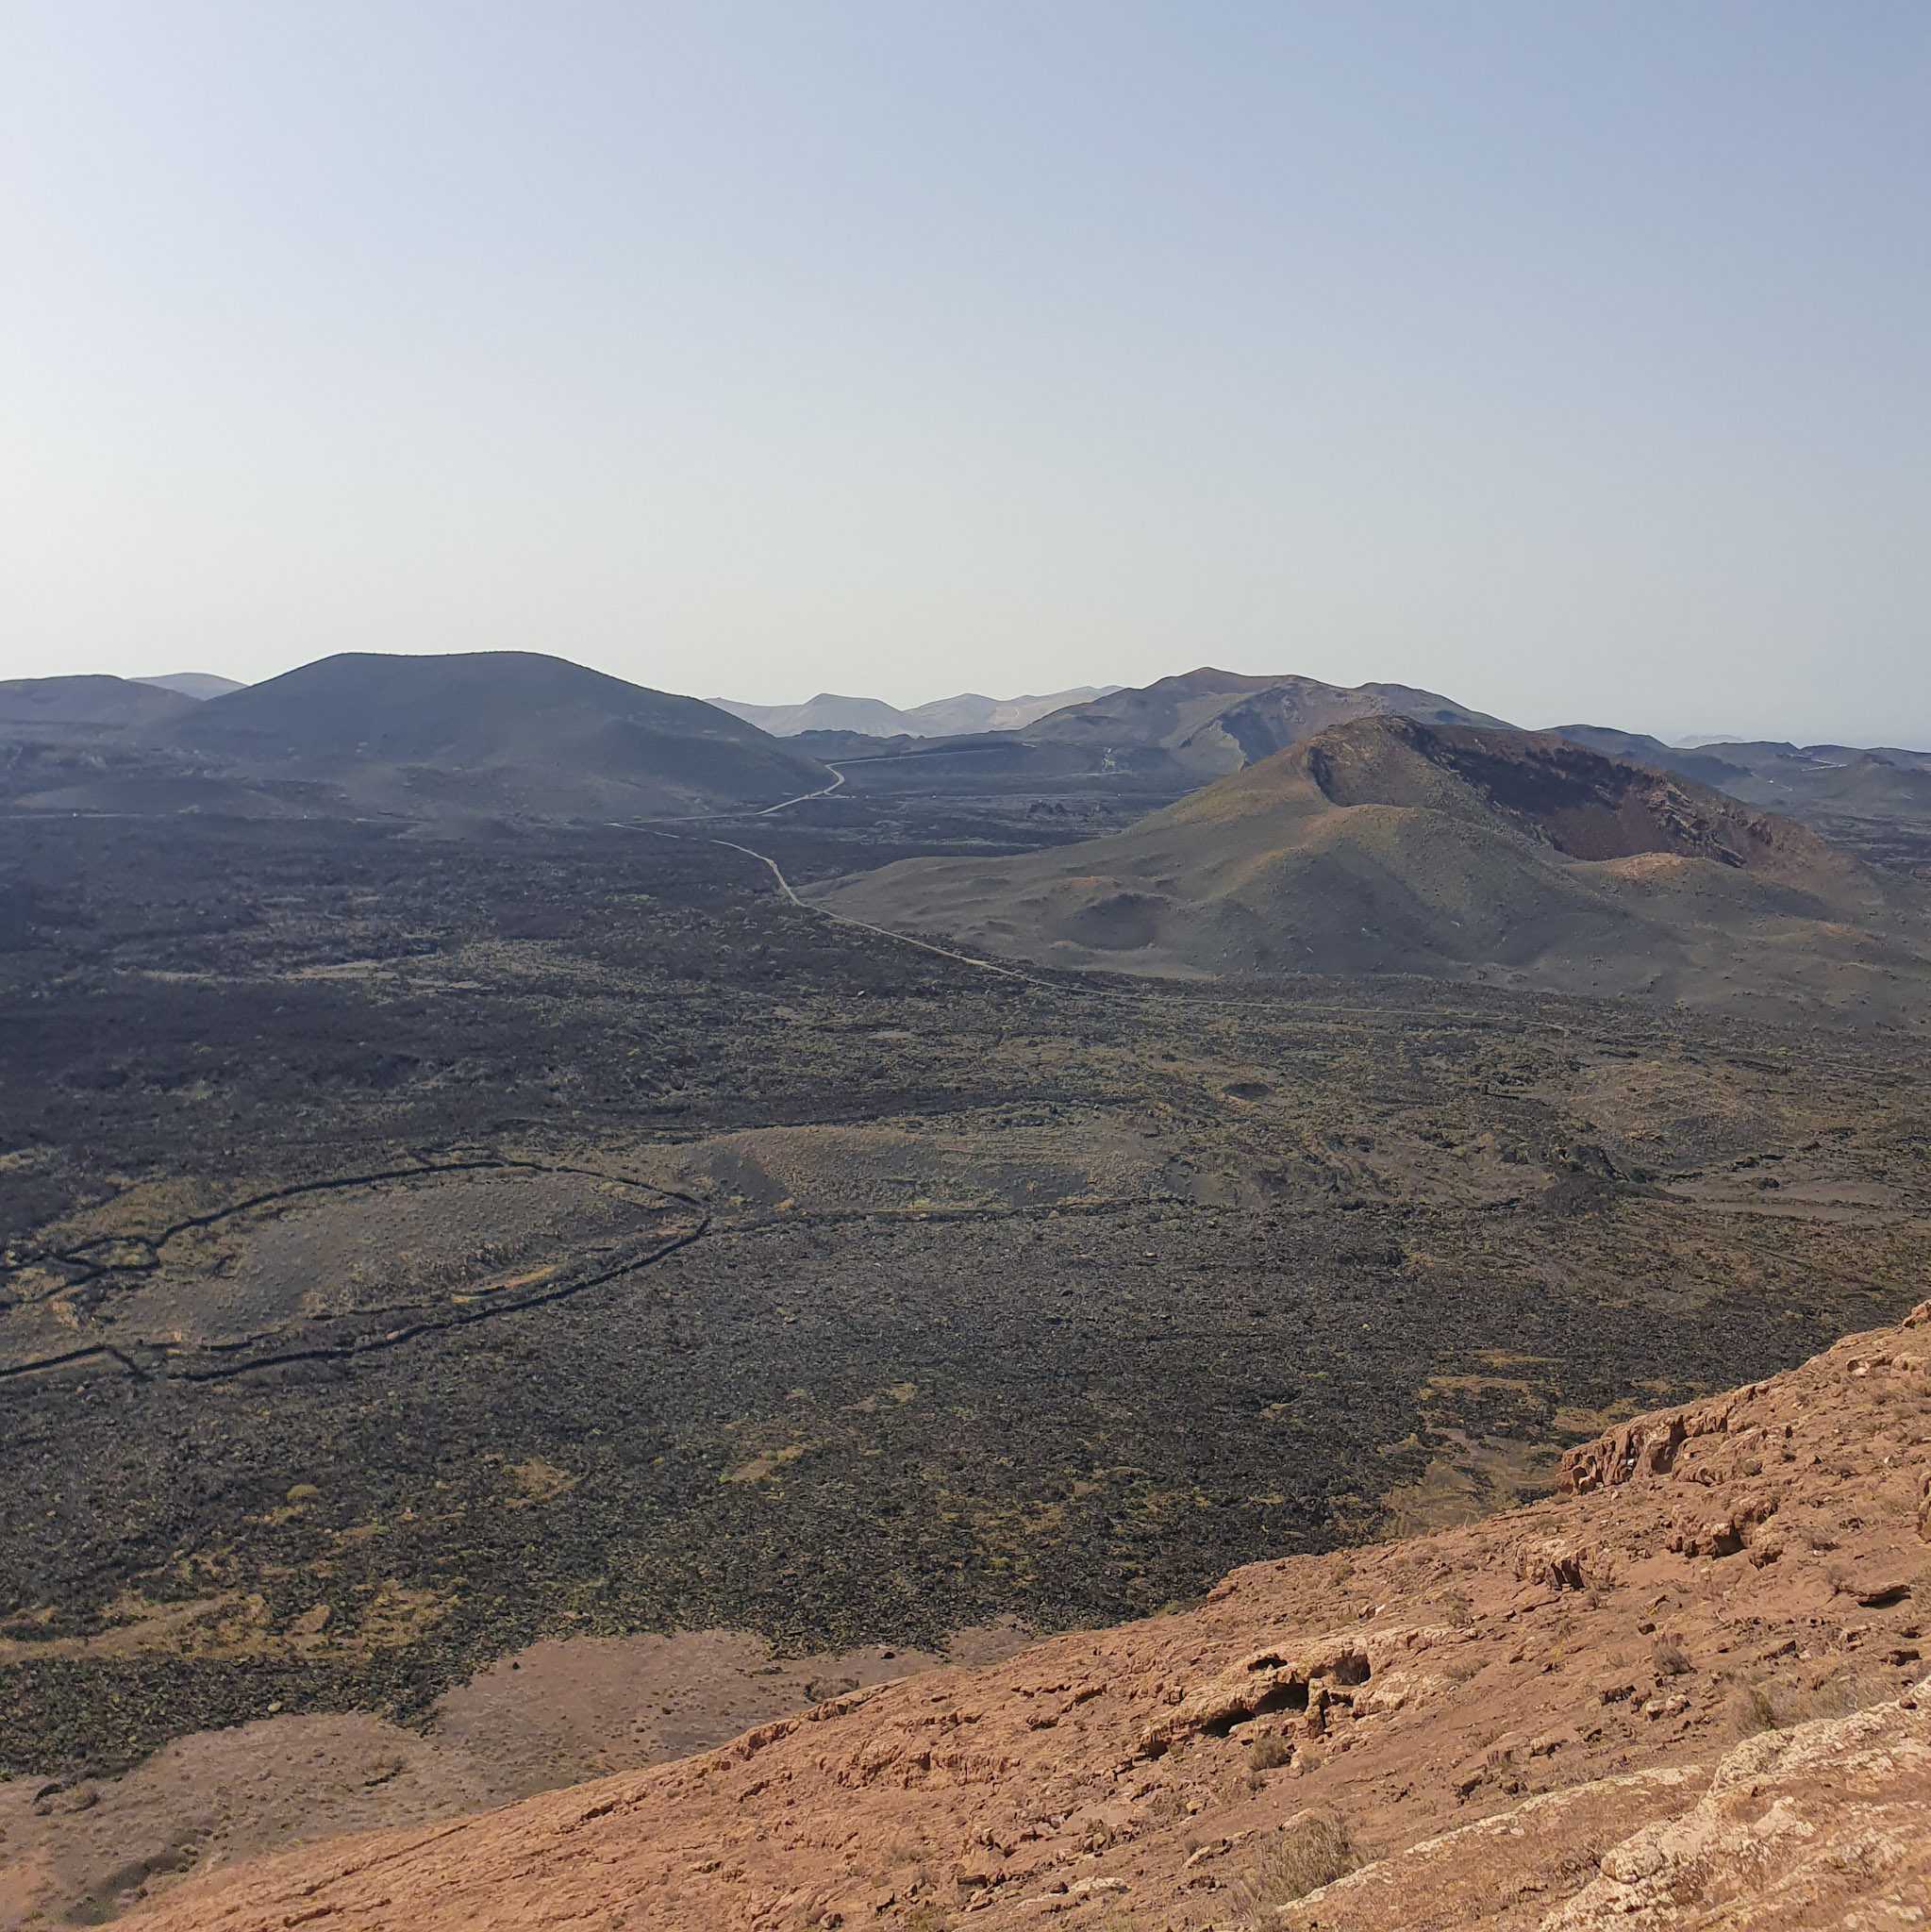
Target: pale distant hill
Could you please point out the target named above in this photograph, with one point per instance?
(942, 718)
(193, 684)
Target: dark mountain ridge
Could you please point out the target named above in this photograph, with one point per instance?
(493, 730)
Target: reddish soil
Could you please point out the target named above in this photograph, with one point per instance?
(555, 1714)
(1681, 1693)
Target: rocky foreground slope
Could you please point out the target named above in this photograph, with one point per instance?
(1688, 1690)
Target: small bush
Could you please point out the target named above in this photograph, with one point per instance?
(1772, 1708)
(1672, 1660)
(1311, 1850)
(1751, 1712)
(1458, 1609)
(1270, 1752)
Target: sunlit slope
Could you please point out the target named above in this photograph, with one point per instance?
(1385, 845)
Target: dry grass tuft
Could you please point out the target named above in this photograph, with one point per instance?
(1311, 1850)
(1752, 1712)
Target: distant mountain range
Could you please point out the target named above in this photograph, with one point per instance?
(942, 718)
(521, 734)
(1182, 731)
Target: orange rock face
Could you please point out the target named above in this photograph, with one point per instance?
(1679, 1694)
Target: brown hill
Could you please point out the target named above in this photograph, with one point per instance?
(493, 731)
(1688, 1691)
(1384, 845)
(1209, 721)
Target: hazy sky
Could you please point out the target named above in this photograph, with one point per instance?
(1569, 357)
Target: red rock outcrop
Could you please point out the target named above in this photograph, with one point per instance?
(1681, 1693)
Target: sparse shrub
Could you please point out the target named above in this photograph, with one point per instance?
(1270, 1752)
(1311, 1850)
(1842, 1694)
(1671, 1660)
(1458, 1609)
(1846, 1692)
(1751, 1711)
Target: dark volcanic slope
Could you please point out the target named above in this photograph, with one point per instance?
(1385, 845)
(494, 731)
(1208, 722)
(1876, 802)
(87, 700)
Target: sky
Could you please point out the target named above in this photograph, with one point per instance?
(1568, 359)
